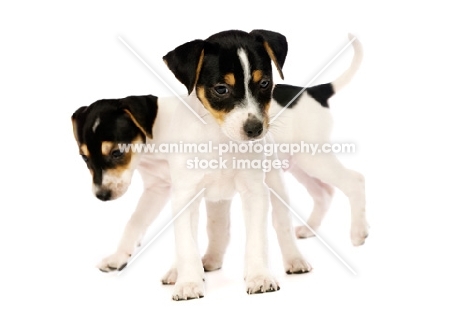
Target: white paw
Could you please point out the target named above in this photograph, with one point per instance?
(116, 261)
(359, 232)
(297, 265)
(303, 232)
(188, 290)
(212, 262)
(261, 284)
(170, 278)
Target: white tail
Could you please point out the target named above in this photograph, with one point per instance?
(346, 76)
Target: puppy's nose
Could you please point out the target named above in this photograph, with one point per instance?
(253, 128)
(104, 195)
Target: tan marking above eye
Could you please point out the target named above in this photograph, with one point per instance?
(230, 79)
(84, 150)
(106, 147)
(257, 75)
(218, 115)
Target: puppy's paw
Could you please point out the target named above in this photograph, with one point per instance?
(297, 266)
(212, 262)
(302, 232)
(261, 284)
(359, 232)
(114, 262)
(170, 278)
(188, 290)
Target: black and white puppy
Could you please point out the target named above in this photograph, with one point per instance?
(231, 74)
(229, 79)
(100, 127)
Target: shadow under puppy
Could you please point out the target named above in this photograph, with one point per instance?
(231, 72)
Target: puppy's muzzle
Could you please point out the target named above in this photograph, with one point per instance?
(253, 127)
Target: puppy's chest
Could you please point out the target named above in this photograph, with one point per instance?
(220, 185)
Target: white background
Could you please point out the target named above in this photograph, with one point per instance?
(405, 110)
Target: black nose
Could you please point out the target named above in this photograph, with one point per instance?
(103, 195)
(253, 128)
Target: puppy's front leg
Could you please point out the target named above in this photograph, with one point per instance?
(255, 201)
(189, 282)
(149, 206)
(170, 277)
(218, 224)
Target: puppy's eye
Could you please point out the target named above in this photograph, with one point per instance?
(264, 84)
(221, 89)
(117, 154)
(85, 158)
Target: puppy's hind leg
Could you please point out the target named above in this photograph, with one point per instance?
(218, 224)
(322, 195)
(328, 169)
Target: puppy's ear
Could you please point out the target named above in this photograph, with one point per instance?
(77, 121)
(142, 110)
(276, 46)
(185, 62)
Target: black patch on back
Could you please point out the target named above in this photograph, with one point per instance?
(284, 94)
(321, 93)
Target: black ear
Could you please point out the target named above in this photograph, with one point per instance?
(142, 110)
(276, 46)
(185, 62)
(77, 121)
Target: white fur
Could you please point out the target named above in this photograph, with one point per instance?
(220, 185)
(95, 125)
(307, 121)
(344, 79)
(164, 173)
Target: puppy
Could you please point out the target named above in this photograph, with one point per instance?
(307, 119)
(232, 75)
(229, 79)
(134, 114)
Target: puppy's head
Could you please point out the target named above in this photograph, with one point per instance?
(231, 74)
(100, 128)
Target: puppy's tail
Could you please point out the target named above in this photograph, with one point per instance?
(346, 76)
